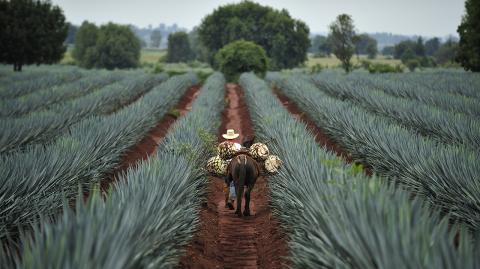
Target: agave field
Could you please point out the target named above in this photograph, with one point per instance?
(405, 193)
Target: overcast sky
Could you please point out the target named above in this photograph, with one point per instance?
(422, 17)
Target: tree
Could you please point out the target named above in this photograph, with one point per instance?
(372, 49)
(321, 46)
(360, 42)
(156, 39)
(179, 49)
(364, 44)
(401, 47)
(72, 31)
(325, 47)
(419, 48)
(85, 42)
(468, 54)
(241, 56)
(408, 55)
(342, 34)
(447, 52)
(117, 47)
(318, 42)
(284, 39)
(431, 46)
(110, 46)
(31, 32)
(200, 52)
(388, 50)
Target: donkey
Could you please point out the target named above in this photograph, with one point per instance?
(244, 171)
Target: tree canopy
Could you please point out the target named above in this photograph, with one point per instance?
(200, 52)
(31, 32)
(179, 49)
(85, 42)
(433, 52)
(364, 44)
(284, 39)
(342, 36)
(321, 46)
(155, 39)
(432, 45)
(469, 30)
(110, 46)
(72, 32)
(241, 56)
(388, 50)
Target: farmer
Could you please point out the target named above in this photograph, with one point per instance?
(230, 136)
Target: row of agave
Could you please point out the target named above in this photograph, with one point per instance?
(27, 86)
(34, 182)
(446, 175)
(337, 217)
(149, 215)
(448, 81)
(414, 90)
(42, 99)
(9, 78)
(444, 126)
(45, 126)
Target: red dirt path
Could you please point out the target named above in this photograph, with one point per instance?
(225, 240)
(148, 145)
(320, 137)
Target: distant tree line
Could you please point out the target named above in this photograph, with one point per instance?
(363, 44)
(109, 46)
(413, 54)
(423, 54)
(31, 32)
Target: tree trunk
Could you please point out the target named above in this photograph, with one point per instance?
(14, 67)
(19, 67)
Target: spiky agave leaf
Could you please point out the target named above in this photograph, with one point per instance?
(152, 210)
(338, 218)
(34, 181)
(445, 174)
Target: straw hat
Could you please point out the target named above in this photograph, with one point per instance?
(230, 134)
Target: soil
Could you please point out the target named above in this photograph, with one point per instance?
(225, 240)
(149, 144)
(320, 136)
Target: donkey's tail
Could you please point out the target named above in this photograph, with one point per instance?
(242, 174)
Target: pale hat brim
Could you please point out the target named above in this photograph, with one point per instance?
(226, 136)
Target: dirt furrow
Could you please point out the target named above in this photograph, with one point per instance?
(224, 240)
(148, 145)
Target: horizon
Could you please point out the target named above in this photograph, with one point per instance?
(430, 18)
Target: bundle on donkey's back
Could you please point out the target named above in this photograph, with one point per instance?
(241, 165)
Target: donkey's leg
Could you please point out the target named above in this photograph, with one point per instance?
(239, 189)
(246, 212)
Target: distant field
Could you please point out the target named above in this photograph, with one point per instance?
(152, 56)
(332, 62)
(149, 59)
(147, 56)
